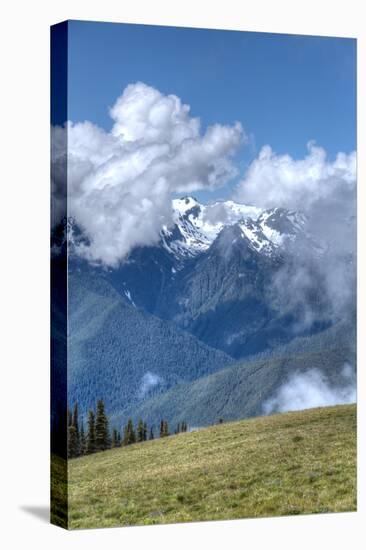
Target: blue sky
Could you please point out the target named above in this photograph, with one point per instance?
(284, 89)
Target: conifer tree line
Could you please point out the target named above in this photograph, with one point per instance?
(98, 437)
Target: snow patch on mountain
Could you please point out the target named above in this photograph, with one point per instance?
(255, 237)
(196, 225)
(127, 293)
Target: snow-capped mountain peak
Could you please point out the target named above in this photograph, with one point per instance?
(183, 205)
(197, 225)
(256, 238)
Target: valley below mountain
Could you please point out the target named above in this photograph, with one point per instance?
(206, 323)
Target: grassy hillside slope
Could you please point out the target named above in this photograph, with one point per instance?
(293, 463)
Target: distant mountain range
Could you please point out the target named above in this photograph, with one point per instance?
(176, 326)
(211, 273)
(197, 226)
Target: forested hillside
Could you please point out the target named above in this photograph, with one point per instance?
(240, 391)
(123, 355)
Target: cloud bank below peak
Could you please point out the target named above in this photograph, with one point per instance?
(326, 191)
(120, 182)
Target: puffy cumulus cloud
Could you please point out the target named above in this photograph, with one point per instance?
(120, 182)
(279, 180)
(143, 113)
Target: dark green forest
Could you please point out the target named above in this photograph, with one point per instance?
(112, 345)
(239, 391)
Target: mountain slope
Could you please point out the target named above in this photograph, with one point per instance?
(242, 390)
(196, 225)
(224, 296)
(212, 274)
(189, 307)
(121, 354)
(149, 273)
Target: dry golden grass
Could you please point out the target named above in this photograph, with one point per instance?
(294, 463)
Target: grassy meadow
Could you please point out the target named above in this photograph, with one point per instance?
(292, 463)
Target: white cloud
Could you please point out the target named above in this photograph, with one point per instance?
(148, 381)
(326, 191)
(279, 180)
(311, 389)
(120, 182)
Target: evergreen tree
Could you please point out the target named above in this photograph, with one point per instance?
(72, 443)
(114, 438)
(129, 435)
(101, 428)
(75, 418)
(145, 431)
(109, 438)
(151, 436)
(75, 423)
(69, 417)
(90, 442)
(131, 431)
(164, 429)
(119, 439)
(82, 440)
(140, 431)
